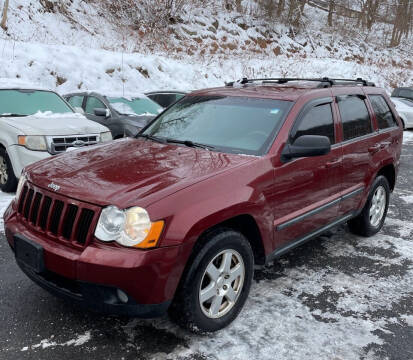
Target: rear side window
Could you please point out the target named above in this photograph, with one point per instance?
(354, 116)
(92, 104)
(76, 101)
(317, 121)
(385, 118)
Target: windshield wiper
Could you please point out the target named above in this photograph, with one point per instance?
(151, 137)
(12, 115)
(190, 143)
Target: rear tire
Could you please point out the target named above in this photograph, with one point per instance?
(8, 181)
(215, 285)
(372, 217)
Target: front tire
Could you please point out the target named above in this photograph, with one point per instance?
(8, 181)
(372, 217)
(216, 283)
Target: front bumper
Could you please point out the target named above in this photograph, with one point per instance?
(94, 297)
(94, 276)
(21, 157)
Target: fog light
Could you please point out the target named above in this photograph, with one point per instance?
(122, 296)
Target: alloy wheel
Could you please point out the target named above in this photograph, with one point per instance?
(378, 206)
(221, 284)
(3, 171)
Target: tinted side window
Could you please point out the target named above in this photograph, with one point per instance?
(354, 116)
(384, 115)
(93, 103)
(317, 121)
(76, 101)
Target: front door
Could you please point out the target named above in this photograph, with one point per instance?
(308, 189)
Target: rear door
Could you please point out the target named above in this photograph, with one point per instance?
(307, 190)
(360, 146)
(389, 130)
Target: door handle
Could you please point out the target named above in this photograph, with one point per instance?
(333, 163)
(374, 149)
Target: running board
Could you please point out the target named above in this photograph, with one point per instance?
(293, 244)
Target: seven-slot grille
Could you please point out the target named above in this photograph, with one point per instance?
(59, 144)
(57, 216)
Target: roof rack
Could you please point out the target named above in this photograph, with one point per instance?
(324, 82)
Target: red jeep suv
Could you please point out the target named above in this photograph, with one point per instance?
(226, 178)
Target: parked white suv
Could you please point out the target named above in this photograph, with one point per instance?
(405, 109)
(36, 124)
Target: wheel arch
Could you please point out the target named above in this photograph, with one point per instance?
(245, 224)
(389, 172)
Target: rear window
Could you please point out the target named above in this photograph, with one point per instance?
(354, 116)
(384, 116)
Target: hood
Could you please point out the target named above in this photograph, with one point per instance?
(54, 124)
(130, 172)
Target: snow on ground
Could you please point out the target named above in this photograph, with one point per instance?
(408, 137)
(47, 343)
(303, 312)
(5, 200)
(80, 68)
(63, 49)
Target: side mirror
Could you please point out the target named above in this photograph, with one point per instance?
(102, 112)
(306, 146)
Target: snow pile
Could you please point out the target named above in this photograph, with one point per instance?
(47, 343)
(62, 48)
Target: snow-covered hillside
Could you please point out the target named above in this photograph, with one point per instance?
(77, 45)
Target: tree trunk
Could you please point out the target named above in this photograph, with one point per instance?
(281, 6)
(331, 7)
(3, 23)
(238, 5)
(401, 22)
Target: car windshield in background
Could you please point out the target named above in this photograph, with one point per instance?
(29, 102)
(135, 106)
(227, 124)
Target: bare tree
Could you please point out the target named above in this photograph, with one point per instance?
(369, 13)
(402, 21)
(280, 8)
(295, 11)
(331, 8)
(3, 23)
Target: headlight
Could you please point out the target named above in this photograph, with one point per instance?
(33, 142)
(106, 136)
(20, 185)
(131, 227)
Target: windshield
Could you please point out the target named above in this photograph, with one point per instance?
(29, 102)
(227, 124)
(136, 106)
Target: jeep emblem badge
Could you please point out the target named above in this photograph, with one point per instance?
(54, 187)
